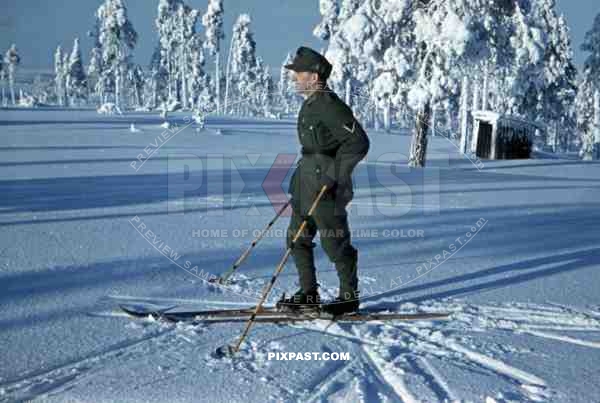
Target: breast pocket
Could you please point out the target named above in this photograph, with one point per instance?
(307, 136)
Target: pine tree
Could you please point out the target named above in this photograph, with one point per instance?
(175, 24)
(2, 75)
(94, 72)
(159, 78)
(136, 81)
(286, 88)
(116, 39)
(213, 22)
(201, 86)
(165, 26)
(329, 13)
(12, 60)
(560, 75)
(76, 76)
(347, 9)
(588, 86)
(59, 76)
(242, 64)
(356, 50)
(261, 89)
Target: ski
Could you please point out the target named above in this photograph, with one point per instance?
(141, 312)
(271, 315)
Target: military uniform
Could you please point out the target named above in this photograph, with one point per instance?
(333, 143)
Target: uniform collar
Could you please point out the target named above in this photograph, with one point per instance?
(312, 97)
(315, 95)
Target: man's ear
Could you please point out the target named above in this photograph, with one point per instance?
(314, 80)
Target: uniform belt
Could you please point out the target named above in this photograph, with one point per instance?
(330, 153)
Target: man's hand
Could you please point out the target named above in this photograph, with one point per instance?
(327, 181)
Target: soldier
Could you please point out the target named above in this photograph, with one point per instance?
(333, 143)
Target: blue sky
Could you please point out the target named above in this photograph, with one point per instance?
(280, 26)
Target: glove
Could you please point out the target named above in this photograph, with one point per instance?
(325, 180)
(328, 182)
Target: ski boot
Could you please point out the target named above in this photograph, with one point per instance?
(340, 306)
(300, 303)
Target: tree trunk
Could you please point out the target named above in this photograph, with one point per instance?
(596, 147)
(170, 76)
(227, 77)
(484, 91)
(348, 91)
(117, 88)
(12, 90)
(464, 94)
(418, 147)
(387, 124)
(68, 91)
(182, 63)
(433, 122)
(218, 82)
(475, 107)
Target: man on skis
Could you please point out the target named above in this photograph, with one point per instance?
(333, 143)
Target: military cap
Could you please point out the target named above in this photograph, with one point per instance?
(307, 59)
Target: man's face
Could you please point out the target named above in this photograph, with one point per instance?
(305, 81)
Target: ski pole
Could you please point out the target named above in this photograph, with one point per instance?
(269, 285)
(223, 279)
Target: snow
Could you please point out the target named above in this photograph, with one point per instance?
(521, 285)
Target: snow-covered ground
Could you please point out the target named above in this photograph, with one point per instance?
(510, 248)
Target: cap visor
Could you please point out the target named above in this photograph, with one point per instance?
(296, 68)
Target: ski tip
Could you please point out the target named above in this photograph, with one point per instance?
(134, 310)
(221, 281)
(226, 351)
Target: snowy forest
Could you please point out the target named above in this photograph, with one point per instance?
(396, 63)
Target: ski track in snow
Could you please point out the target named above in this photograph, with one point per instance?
(39, 383)
(397, 362)
(437, 379)
(399, 350)
(425, 342)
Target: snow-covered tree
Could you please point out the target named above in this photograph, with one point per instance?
(59, 76)
(2, 75)
(116, 39)
(203, 93)
(167, 43)
(213, 23)
(135, 83)
(175, 24)
(347, 9)
(356, 51)
(261, 90)
(41, 89)
(65, 67)
(400, 53)
(329, 12)
(242, 65)
(187, 41)
(159, 78)
(12, 60)
(560, 76)
(288, 100)
(588, 86)
(77, 87)
(94, 73)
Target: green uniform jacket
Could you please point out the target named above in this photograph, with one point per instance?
(333, 142)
